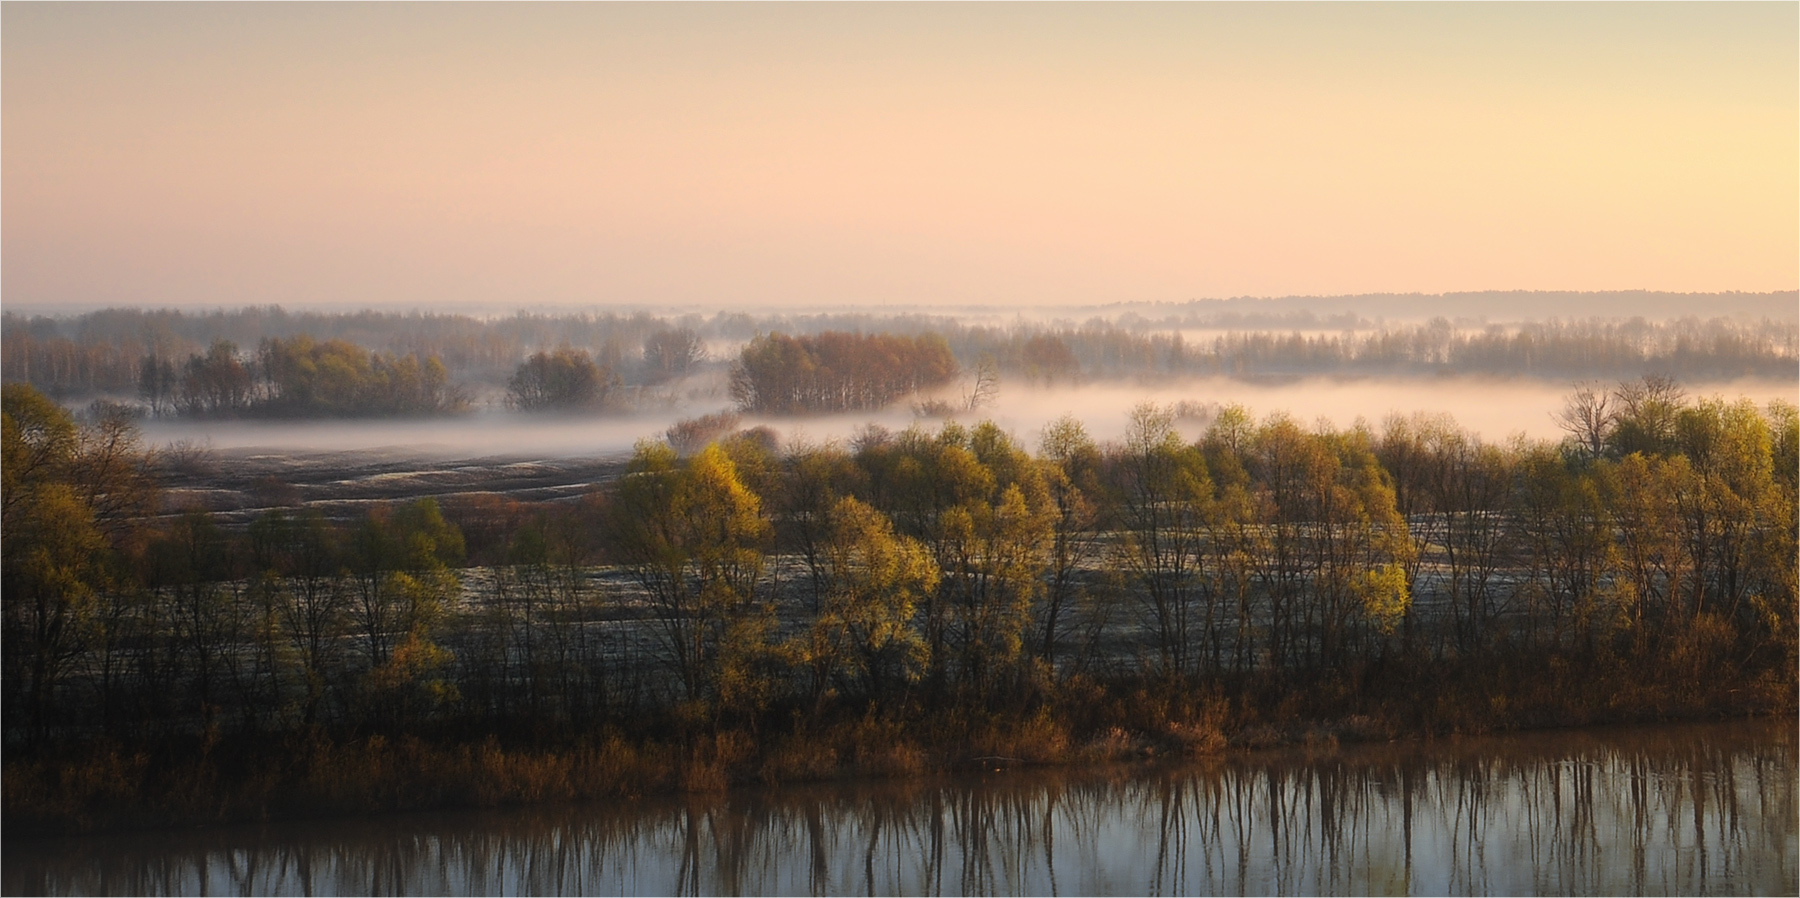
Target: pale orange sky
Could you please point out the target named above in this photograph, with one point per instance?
(735, 156)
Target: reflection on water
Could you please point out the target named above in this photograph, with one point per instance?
(1686, 810)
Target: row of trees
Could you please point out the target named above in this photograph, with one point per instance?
(303, 378)
(71, 498)
(917, 570)
(134, 624)
(102, 352)
(1686, 348)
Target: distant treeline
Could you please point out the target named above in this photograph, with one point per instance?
(121, 353)
(1688, 349)
(1645, 566)
(102, 353)
(1472, 306)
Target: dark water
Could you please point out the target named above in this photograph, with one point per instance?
(1707, 809)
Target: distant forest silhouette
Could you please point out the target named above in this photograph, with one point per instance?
(273, 362)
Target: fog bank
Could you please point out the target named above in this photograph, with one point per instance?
(1495, 409)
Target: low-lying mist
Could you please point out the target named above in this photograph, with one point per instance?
(1493, 408)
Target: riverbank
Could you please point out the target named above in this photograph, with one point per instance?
(1672, 809)
(204, 780)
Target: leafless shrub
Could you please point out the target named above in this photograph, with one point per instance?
(672, 354)
(932, 408)
(1195, 410)
(870, 436)
(690, 435)
(102, 411)
(188, 458)
(986, 387)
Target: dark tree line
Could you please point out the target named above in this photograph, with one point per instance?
(1685, 348)
(120, 352)
(105, 352)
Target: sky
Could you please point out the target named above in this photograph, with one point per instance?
(818, 155)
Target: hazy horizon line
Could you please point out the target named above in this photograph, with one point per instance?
(483, 309)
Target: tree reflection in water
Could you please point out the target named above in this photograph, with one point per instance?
(1687, 809)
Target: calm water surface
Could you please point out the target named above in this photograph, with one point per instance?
(1693, 810)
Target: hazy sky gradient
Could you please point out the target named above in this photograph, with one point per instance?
(730, 156)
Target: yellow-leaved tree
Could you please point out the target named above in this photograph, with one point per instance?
(68, 494)
(873, 581)
(692, 535)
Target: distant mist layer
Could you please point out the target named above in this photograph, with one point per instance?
(1495, 409)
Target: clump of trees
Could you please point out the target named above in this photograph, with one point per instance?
(70, 496)
(305, 378)
(836, 371)
(299, 377)
(1636, 416)
(564, 380)
(139, 625)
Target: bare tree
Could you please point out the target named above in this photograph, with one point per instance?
(670, 354)
(1587, 416)
(986, 386)
(1645, 413)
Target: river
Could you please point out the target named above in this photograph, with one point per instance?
(1680, 809)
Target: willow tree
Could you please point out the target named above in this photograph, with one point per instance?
(402, 588)
(692, 535)
(1337, 546)
(1070, 464)
(300, 559)
(1236, 541)
(812, 481)
(872, 583)
(1162, 495)
(1567, 545)
(68, 497)
(979, 503)
(1453, 490)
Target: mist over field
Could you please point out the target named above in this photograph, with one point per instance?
(1493, 408)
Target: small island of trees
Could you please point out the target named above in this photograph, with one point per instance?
(836, 371)
(299, 377)
(564, 380)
